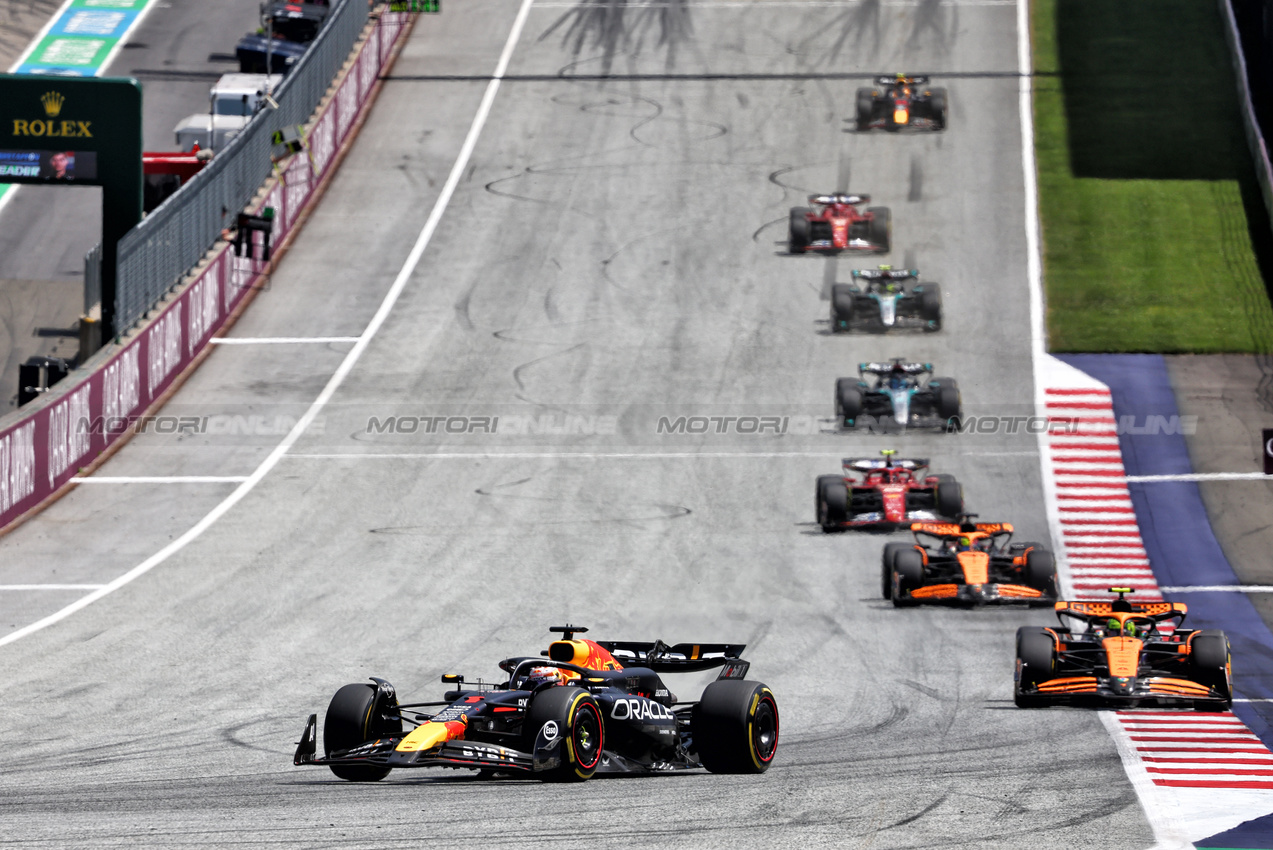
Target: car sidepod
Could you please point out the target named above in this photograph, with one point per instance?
(642, 734)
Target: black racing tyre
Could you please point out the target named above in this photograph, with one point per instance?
(848, 401)
(930, 305)
(938, 104)
(823, 481)
(1040, 569)
(798, 230)
(866, 106)
(1036, 654)
(354, 717)
(950, 498)
(1209, 650)
(1209, 659)
(735, 727)
(908, 574)
(949, 402)
(888, 557)
(833, 505)
(581, 724)
(842, 304)
(880, 229)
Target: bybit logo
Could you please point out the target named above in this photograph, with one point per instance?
(53, 102)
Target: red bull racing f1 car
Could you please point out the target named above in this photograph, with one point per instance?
(588, 707)
(1118, 656)
(883, 494)
(970, 563)
(901, 102)
(833, 223)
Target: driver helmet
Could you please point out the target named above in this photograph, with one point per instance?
(1130, 630)
(964, 544)
(1113, 626)
(539, 675)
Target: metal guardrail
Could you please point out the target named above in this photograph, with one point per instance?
(156, 254)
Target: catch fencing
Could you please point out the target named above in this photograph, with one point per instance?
(156, 254)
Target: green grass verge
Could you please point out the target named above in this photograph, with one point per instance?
(1145, 181)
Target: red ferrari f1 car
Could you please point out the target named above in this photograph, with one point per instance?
(883, 494)
(833, 223)
(1117, 656)
(969, 563)
(588, 707)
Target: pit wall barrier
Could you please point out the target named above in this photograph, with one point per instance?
(1250, 121)
(93, 409)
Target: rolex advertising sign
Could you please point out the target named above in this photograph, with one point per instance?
(78, 131)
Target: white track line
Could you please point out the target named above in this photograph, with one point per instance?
(161, 479)
(337, 378)
(278, 340)
(1034, 279)
(1220, 588)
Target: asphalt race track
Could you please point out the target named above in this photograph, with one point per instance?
(612, 256)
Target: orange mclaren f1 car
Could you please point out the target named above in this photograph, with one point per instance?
(1120, 657)
(970, 563)
(588, 707)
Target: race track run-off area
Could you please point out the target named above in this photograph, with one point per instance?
(571, 217)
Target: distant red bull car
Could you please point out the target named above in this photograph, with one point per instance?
(588, 707)
(1116, 655)
(833, 223)
(883, 493)
(901, 103)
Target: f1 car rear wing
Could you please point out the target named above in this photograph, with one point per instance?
(866, 464)
(1152, 610)
(884, 368)
(839, 198)
(1157, 611)
(885, 273)
(952, 529)
(894, 80)
(680, 658)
